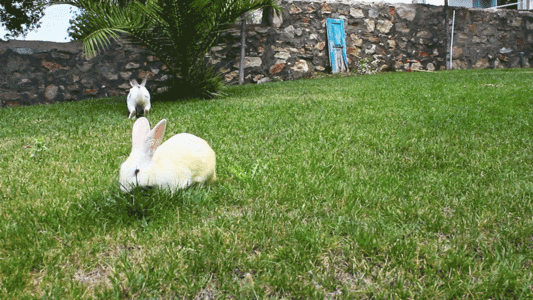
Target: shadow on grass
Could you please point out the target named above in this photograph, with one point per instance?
(117, 207)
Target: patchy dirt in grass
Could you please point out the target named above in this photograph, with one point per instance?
(97, 277)
(210, 292)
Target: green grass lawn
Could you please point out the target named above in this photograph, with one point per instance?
(390, 186)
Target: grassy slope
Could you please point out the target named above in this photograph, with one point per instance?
(393, 185)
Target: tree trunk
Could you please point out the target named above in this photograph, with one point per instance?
(274, 18)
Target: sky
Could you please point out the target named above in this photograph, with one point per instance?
(56, 22)
(53, 27)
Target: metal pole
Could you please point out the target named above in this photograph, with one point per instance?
(446, 32)
(506, 5)
(451, 40)
(243, 49)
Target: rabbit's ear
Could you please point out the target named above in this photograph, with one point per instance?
(144, 80)
(156, 135)
(141, 128)
(133, 82)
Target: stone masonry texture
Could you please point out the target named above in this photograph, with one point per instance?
(379, 36)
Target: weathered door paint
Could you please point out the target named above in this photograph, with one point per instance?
(337, 45)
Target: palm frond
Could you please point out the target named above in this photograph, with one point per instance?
(179, 32)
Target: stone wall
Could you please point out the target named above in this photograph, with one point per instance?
(380, 37)
(46, 72)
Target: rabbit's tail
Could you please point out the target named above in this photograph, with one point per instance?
(213, 178)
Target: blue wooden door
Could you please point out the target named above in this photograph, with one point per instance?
(337, 45)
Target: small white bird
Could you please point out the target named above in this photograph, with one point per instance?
(138, 99)
(181, 161)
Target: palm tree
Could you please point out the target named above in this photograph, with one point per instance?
(179, 32)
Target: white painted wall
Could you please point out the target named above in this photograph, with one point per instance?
(461, 3)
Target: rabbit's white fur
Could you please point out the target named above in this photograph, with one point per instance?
(182, 160)
(138, 97)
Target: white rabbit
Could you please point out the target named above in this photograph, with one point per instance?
(182, 160)
(138, 98)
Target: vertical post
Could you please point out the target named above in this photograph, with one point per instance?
(446, 31)
(243, 49)
(451, 40)
(522, 59)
